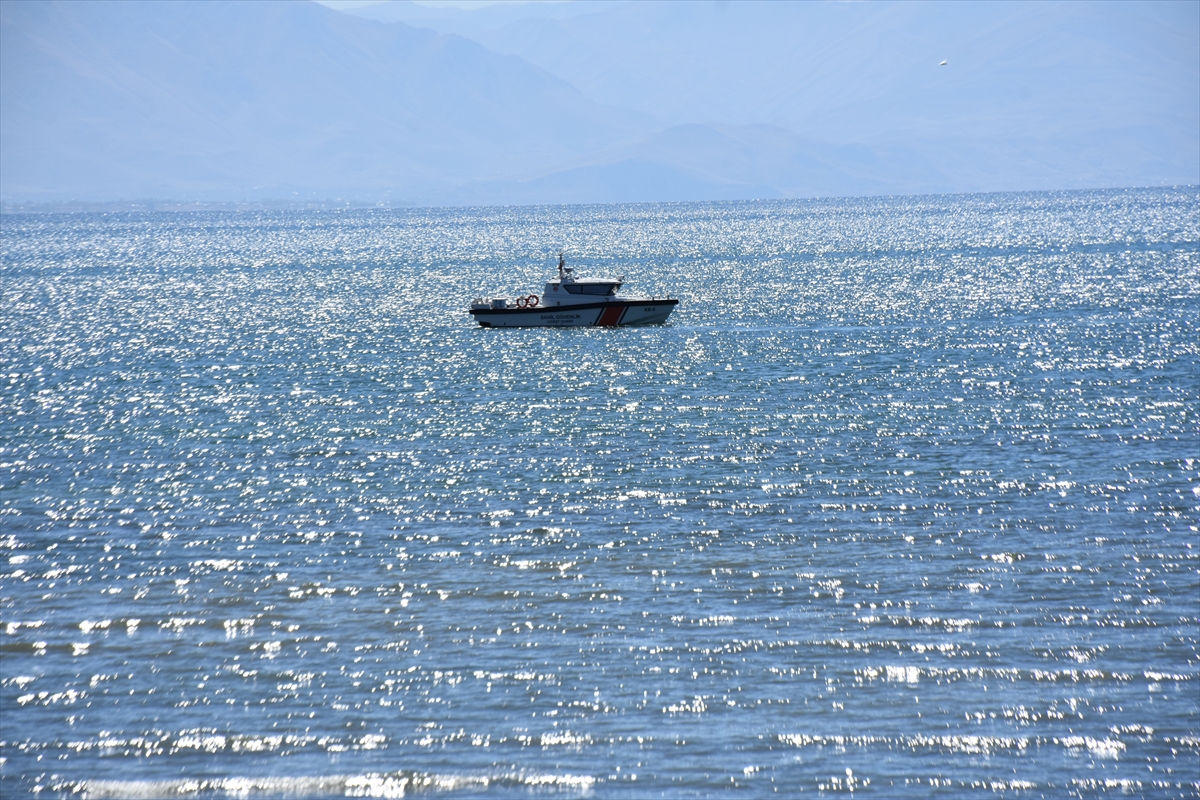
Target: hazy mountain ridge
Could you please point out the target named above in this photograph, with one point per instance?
(805, 65)
(1032, 95)
(239, 99)
(723, 162)
(589, 101)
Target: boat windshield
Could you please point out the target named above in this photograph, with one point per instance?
(592, 288)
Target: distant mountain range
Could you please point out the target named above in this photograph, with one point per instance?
(591, 101)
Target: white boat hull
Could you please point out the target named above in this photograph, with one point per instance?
(618, 313)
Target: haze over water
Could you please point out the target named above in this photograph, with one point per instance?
(902, 501)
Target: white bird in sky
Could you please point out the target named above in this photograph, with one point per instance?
(944, 63)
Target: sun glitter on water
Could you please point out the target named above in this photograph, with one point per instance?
(903, 499)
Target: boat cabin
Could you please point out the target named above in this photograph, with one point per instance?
(568, 291)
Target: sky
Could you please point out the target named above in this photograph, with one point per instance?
(471, 102)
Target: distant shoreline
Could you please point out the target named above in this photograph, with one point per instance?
(116, 206)
(152, 205)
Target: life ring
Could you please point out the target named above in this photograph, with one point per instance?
(531, 301)
(520, 302)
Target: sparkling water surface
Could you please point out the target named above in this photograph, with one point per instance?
(903, 501)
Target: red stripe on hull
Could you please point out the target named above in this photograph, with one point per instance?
(611, 317)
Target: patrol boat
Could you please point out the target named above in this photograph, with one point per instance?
(568, 302)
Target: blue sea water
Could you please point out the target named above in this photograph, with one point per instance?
(903, 501)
